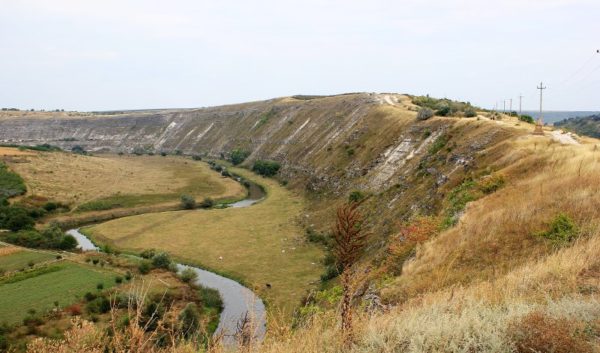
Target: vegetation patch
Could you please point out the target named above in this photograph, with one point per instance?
(266, 168)
(261, 244)
(23, 259)
(11, 184)
(65, 283)
(562, 230)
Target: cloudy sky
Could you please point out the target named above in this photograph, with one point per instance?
(128, 54)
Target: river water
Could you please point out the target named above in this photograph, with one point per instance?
(238, 301)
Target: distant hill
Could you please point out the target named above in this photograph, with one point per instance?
(552, 116)
(589, 125)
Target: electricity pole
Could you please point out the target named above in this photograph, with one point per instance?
(541, 88)
(504, 106)
(539, 126)
(510, 109)
(520, 100)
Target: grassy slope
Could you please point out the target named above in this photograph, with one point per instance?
(65, 286)
(260, 244)
(120, 181)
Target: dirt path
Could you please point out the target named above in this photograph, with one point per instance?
(566, 138)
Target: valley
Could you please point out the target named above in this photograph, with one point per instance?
(456, 205)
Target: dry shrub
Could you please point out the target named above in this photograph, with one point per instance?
(74, 310)
(537, 332)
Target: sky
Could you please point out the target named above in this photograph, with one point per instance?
(137, 54)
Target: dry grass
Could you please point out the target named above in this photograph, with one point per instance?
(14, 152)
(76, 179)
(497, 233)
(259, 244)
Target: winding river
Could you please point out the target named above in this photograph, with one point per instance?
(238, 301)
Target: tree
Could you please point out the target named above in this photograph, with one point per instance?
(207, 203)
(188, 202)
(266, 168)
(238, 156)
(349, 243)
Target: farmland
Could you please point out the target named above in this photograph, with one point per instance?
(13, 258)
(39, 289)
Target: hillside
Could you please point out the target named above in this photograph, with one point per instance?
(508, 223)
(588, 126)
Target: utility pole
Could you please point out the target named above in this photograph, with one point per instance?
(520, 100)
(510, 109)
(504, 106)
(540, 123)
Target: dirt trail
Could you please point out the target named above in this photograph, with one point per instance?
(566, 138)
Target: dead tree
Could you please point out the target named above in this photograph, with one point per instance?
(349, 243)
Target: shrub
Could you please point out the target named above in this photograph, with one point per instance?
(266, 168)
(78, 150)
(238, 156)
(50, 206)
(424, 113)
(537, 332)
(163, 153)
(144, 267)
(526, 118)
(118, 280)
(74, 310)
(11, 184)
(443, 109)
(161, 260)
(188, 275)
(89, 296)
(189, 320)
(148, 253)
(356, 196)
(128, 276)
(188, 202)
(470, 113)
(207, 203)
(562, 229)
(491, 184)
(15, 218)
(100, 286)
(197, 157)
(211, 298)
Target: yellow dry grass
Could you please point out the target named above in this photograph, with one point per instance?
(7, 250)
(77, 179)
(259, 244)
(12, 151)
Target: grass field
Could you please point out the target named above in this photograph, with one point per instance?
(13, 258)
(66, 285)
(259, 244)
(110, 181)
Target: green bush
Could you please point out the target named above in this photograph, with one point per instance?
(144, 267)
(188, 202)
(189, 320)
(51, 237)
(562, 229)
(161, 260)
(207, 203)
(197, 157)
(356, 196)
(188, 275)
(526, 118)
(211, 298)
(11, 184)
(148, 253)
(15, 218)
(237, 156)
(78, 150)
(266, 168)
(424, 113)
(470, 113)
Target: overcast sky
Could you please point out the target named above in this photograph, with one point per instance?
(128, 54)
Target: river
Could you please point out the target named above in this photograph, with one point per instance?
(237, 299)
